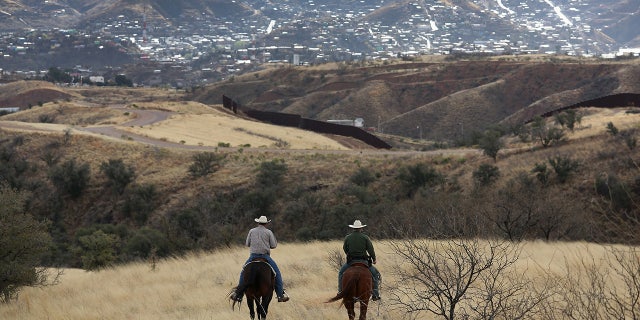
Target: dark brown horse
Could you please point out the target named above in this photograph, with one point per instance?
(357, 286)
(258, 281)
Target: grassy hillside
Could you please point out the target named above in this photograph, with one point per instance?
(198, 175)
(439, 94)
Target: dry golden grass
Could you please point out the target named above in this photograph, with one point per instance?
(192, 124)
(196, 287)
(216, 127)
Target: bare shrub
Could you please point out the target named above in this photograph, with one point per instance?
(458, 278)
(606, 288)
(336, 259)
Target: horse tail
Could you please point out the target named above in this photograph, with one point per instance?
(345, 290)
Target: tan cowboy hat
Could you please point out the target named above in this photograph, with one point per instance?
(357, 225)
(262, 219)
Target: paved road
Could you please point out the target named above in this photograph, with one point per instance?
(146, 117)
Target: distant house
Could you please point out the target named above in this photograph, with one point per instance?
(357, 122)
(629, 52)
(4, 110)
(96, 79)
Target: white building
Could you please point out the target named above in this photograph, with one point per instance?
(96, 79)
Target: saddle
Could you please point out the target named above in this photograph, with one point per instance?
(359, 264)
(260, 260)
(365, 261)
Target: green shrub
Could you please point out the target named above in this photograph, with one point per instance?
(145, 243)
(363, 177)
(542, 173)
(271, 172)
(629, 138)
(23, 242)
(611, 129)
(70, 178)
(616, 191)
(205, 163)
(568, 119)
(46, 118)
(118, 174)
(563, 167)
(490, 143)
(140, 202)
(418, 176)
(486, 174)
(98, 250)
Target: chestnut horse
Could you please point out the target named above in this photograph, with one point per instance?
(357, 286)
(258, 283)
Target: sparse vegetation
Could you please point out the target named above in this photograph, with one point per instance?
(118, 174)
(205, 163)
(160, 209)
(71, 178)
(486, 174)
(23, 243)
(491, 143)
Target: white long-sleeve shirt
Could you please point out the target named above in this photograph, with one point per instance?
(261, 240)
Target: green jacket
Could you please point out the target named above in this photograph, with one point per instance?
(357, 245)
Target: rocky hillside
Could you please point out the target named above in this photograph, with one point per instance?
(434, 97)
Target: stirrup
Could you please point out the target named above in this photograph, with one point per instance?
(283, 298)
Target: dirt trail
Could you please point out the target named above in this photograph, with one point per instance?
(144, 117)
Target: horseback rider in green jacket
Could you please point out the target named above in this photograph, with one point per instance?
(359, 248)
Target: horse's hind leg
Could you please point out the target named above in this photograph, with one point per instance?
(363, 310)
(262, 308)
(350, 305)
(252, 312)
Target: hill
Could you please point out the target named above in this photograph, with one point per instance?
(25, 94)
(161, 173)
(434, 97)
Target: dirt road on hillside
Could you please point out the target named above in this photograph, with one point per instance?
(144, 117)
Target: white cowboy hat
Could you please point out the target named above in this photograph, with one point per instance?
(357, 225)
(262, 219)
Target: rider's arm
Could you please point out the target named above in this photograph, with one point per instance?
(371, 251)
(248, 241)
(272, 240)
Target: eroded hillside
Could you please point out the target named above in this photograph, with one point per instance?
(434, 98)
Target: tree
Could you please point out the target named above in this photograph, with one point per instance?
(70, 178)
(122, 81)
(490, 143)
(56, 75)
(545, 134)
(564, 167)
(442, 277)
(119, 174)
(23, 243)
(569, 119)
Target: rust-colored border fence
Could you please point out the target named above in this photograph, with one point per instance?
(294, 120)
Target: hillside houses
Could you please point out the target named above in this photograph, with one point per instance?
(210, 47)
